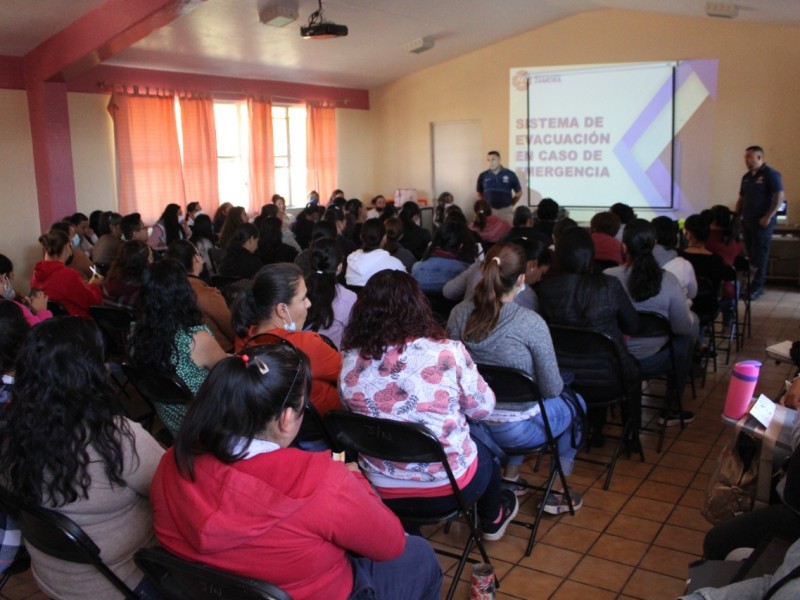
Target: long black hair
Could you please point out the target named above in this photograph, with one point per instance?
(61, 404)
(645, 276)
(575, 255)
(273, 284)
(13, 329)
(727, 221)
(172, 227)
(168, 305)
(238, 399)
(325, 258)
(203, 229)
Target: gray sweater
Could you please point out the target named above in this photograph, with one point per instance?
(520, 340)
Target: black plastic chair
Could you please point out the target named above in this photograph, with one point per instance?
(158, 388)
(595, 361)
(406, 442)
(744, 327)
(58, 536)
(57, 309)
(655, 325)
(115, 323)
(706, 307)
(730, 279)
(512, 386)
(440, 306)
(179, 579)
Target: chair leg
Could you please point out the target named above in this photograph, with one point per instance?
(474, 540)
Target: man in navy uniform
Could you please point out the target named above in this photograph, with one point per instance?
(760, 196)
(499, 187)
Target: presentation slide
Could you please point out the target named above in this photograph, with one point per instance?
(594, 135)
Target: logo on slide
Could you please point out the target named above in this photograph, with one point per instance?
(520, 80)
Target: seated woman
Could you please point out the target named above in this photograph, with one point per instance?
(123, 282)
(668, 259)
(204, 239)
(724, 237)
(170, 227)
(277, 304)
(271, 248)
(378, 206)
(498, 332)
(210, 301)
(33, 307)
(607, 248)
(398, 364)
(491, 229)
(452, 251)
(696, 229)
(391, 243)
(109, 241)
(536, 251)
(59, 282)
(577, 296)
(331, 302)
(653, 290)
(296, 519)
(64, 449)
(235, 218)
(240, 258)
(371, 258)
(414, 238)
(169, 335)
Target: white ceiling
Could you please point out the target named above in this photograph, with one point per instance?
(225, 37)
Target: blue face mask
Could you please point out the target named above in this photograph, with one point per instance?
(291, 325)
(76, 240)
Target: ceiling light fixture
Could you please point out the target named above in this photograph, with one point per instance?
(419, 45)
(721, 10)
(321, 29)
(278, 14)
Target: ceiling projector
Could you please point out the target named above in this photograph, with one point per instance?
(320, 28)
(323, 30)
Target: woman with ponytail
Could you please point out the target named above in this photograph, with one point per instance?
(491, 229)
(497, 331)
(278, 304)
(331, 302)
(653, 290)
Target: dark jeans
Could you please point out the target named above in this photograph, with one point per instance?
(748, 530)
(484, 487)
(758, 240)
(414, 574)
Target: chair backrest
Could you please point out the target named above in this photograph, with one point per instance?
(593, 358)
(706, 303)
(653, 325)
(222, 281)
(154, 386)
(57, 309)
(58, 536)
(179, 579)
(510, 386)
(115, 323)
(396, 441)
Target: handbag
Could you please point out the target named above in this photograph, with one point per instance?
(732, 486)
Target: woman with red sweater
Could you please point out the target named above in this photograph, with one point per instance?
(233, 495)
(60, 283)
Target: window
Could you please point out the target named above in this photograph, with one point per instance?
(289, 138)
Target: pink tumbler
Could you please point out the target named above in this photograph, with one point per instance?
(740, 389)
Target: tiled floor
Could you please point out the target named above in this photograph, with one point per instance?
(636, 539)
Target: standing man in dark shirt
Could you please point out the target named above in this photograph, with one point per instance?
(499, 187)
(760, 196)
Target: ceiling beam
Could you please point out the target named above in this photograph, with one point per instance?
(98, 35)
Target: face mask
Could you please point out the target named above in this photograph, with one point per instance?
(291, 325)
(180, 219)
(416, 221)
(76, 240)
(8, 290)
(520, 289)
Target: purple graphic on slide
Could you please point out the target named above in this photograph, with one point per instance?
(654, 181)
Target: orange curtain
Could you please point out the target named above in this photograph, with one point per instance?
(150, 174)
(262, 153)
(321, 149)
(200, 171)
